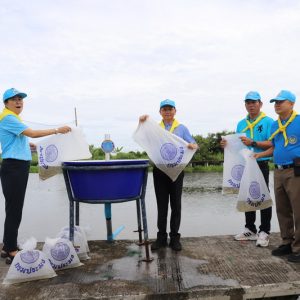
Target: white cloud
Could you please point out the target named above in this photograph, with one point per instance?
(115, 60)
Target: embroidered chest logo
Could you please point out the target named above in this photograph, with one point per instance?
(260, 128)
(292, 139)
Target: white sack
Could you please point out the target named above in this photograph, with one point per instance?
(167, 151)
(29, 264)
(53, 150)
(234, 163)
(253, 194)
(80, 244)
(81, 230)
(61, 254)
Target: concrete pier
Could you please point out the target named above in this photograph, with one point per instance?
(215, 267)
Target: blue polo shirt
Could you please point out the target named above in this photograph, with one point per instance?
(182, 132)
(285, 155)
(261, 132)
(13, 143)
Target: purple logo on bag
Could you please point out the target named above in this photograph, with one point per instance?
(254, 190)
(60, 251)
(237, 172)
(168, 151)
(30, 256)
(51, 153)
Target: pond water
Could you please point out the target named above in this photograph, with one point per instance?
(205, 211)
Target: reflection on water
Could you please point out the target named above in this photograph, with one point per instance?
(205, 211)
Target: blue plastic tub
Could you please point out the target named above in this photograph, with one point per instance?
(106, 181)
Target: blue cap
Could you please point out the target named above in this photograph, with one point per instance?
(284, 95)
(167, 102)
(252, 95)
(11, 93)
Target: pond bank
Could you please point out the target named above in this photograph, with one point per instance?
(208, 268)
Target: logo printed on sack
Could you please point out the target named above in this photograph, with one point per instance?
(254, 190)
(51, 153)
(237, 172)
(60, 251)
(168, 151)
(292, 139)
(30, 256)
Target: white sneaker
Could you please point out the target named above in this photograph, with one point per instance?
(263, 239)
(247, 235)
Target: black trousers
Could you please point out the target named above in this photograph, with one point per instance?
(166, 190)
(14, 177)
(265, 214)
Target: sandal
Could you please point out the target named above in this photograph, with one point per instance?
(10, 258)
(4, 254)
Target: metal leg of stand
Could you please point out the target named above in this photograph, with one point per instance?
(77, 213)
(71, 222)
(107, 211)
(139, 230)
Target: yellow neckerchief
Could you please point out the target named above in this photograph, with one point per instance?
(174, 125)
(282, 128)
(252, 125)
(7, 112)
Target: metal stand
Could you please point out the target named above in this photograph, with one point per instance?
(140, 202)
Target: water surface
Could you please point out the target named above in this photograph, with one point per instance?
(205, 211)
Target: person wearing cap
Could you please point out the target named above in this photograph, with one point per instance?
(165, 189)
(286, 155)
(257, 127)
(16, 156)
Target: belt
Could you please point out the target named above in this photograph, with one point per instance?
(281, 167)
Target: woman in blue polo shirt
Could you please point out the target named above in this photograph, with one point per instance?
(16, 156)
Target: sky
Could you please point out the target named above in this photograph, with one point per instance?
(116, 60)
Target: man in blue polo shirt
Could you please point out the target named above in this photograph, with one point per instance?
(257, 127)
(286, 144)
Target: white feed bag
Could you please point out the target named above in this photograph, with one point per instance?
(234, 163)
(253, 194)
(167, 151)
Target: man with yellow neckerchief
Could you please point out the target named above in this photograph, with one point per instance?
(257, 127)
(16, 156)
(165, 189)
(286, 149)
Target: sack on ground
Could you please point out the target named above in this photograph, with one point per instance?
(80, 244)
(234, 163)
(29, 264)
(81, 230)
(167, 151)
(253, 194)
(52, 151)
(61, 254)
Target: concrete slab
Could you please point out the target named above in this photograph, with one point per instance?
(214, 267)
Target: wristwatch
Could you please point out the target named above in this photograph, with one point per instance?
(254, 144)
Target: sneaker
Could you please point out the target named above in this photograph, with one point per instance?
(247, 235)
(282, 250)
(294, 257)
(263, 239)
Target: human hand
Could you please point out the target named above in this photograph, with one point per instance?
(246, 141)
(64, 129)
(32, 147)
(143, 118)
(192, 146)
(223, 143)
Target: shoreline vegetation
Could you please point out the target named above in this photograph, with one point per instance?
(208, 158)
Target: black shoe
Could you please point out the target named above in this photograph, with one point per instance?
(175, 242)
(161, 241)
(282, 250)
(294, 257)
